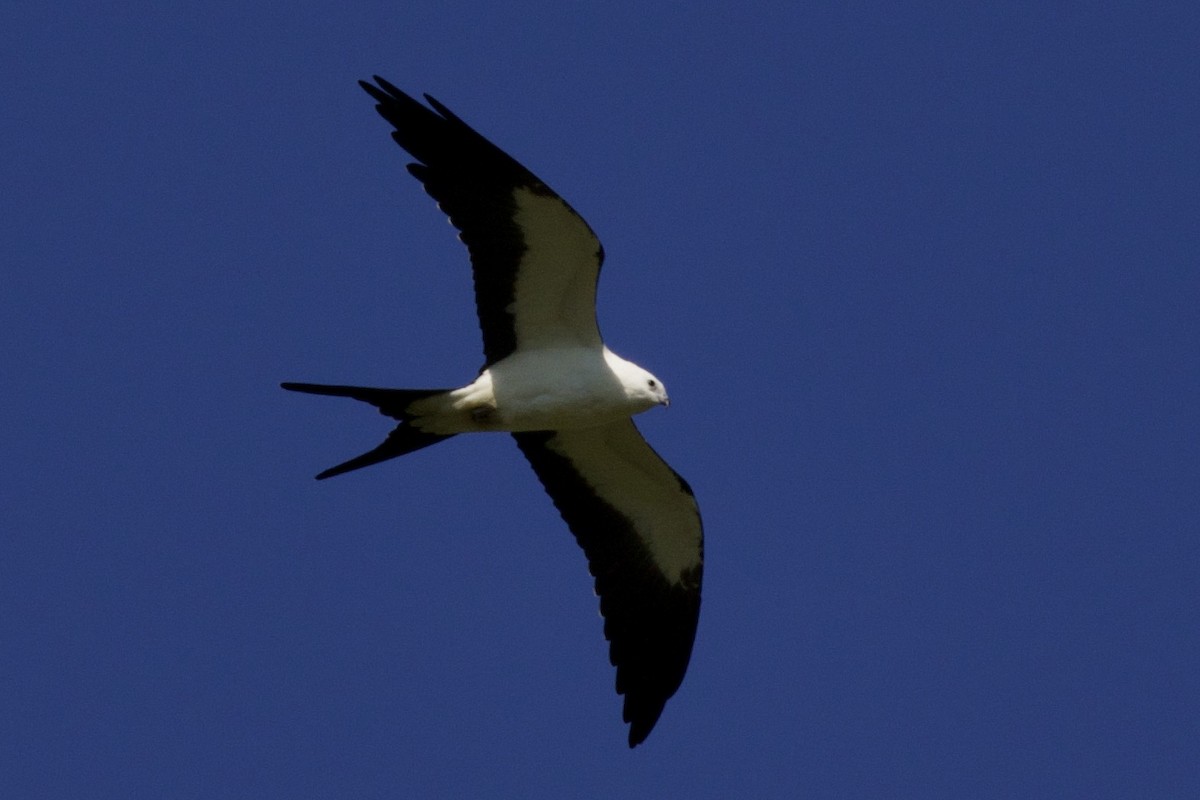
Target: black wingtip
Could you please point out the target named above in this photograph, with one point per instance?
(385, 84)
(383, 93)
(641, 726)
(441, 109)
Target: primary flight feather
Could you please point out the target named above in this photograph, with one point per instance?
(549, 380)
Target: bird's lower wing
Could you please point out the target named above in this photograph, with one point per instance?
(639, 526)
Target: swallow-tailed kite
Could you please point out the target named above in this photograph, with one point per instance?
(549, 380)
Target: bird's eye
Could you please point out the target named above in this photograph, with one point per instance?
(652, 383)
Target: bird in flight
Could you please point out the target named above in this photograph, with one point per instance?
(549, 380)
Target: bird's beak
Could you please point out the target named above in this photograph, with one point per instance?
(666, 402)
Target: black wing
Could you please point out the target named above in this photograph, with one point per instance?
(640, 528)
(536, 262)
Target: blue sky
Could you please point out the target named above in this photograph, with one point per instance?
(922, 279)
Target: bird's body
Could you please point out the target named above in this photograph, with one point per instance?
(552, 388)
(567, 399)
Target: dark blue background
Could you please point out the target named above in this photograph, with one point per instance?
(922, 279)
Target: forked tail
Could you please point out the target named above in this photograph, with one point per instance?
(392, 403)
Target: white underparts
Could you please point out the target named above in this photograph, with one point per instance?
(563, 388)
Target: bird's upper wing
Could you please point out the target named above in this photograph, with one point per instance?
(535, 260)
(640, 528)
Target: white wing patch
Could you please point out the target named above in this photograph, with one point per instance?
(628, 475)
(554, 300)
